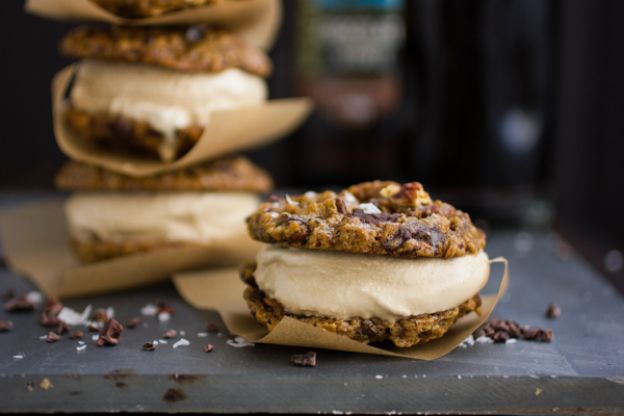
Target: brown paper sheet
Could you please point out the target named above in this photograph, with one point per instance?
(228, 131)
(255, 20)
(222, 290)
(35, 242)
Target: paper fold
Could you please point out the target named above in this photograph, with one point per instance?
(256, 21)
(36, 244)
(228, 131)
(222, 291)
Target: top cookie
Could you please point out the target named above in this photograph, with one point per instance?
(193, 49)
(149, 8)
(382, 218)
(222, 175)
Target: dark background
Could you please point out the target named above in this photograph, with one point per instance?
(512, 110)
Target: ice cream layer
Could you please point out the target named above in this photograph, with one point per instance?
(343, 285)
(160, 217)
(166, 99)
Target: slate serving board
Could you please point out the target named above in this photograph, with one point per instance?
(581, 371)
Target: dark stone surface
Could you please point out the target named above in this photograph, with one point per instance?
(582, 370)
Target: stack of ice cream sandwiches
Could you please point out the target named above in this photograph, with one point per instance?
(149, 92)
(379, 261)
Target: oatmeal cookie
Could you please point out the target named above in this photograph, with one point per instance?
(193, 49)
(93, 250)
(381, 218)
(122, 133)
(403, 333)
(132, 9)
(234, 174)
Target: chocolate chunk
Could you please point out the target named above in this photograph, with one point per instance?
(19, 304)
(134, 322)
(6, 326)
(93, 327)
(52, 306)
(500, 337)
(208, 348)
(341, 206)
(500, 330)
(212, 328)
(100, 315)
(529, 333)
(77, 334)
(544, 335)
(275, 198)
(304, 360)
(174, 395)
(164, 308)
(375, 219)
(300, 226)
(195, 33)
(514, 329)
(553, 311)
(170, 334)
(537, 334)
(52, 337)
(61, 328)
(8, 294)
(110, 334)
(149, 346)
(49, 316)
(49, 321)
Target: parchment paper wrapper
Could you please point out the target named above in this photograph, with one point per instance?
(36, 244)
(222, 291)
(229, 130)
(255, 20)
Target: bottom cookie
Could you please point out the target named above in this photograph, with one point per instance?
(91, 251)
(403, 333)
(121, 133)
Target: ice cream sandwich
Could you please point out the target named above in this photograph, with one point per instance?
(111, 215)
(379, 261)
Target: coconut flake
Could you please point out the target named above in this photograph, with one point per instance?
(239, 342)
(468, 342)
(370, 208)
(81, 348)
(149, 310)
(182, 342)
(484, 340)
(349, 198)
(202, 334)
(290, 201)
(164, 316)
(34, 297)
(73, 318)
